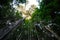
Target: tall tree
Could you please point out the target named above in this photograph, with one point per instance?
(49, 11)
(7, 12)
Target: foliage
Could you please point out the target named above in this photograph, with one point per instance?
(49, 11)
(7, 12)
(18, 15)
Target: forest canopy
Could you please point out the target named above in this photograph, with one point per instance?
(43, 25)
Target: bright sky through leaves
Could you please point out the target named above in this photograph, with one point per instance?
(29, 3)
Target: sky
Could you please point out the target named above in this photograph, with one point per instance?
(29, 3)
